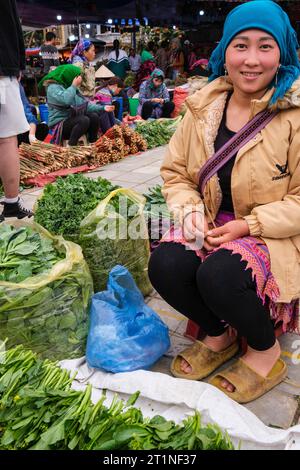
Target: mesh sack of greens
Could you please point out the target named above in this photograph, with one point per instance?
(45, 290)
(116, 233)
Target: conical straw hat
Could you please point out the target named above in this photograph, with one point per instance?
(104, 72)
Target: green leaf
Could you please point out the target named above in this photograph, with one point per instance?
(54, 434)
(68, 321)
(24, 271)
(126, 432)
(22, 423)
(7, 438)
(163, 435)
(26, 249)
(74, 442)
(132, 400)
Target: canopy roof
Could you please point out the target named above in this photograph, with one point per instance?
(44, 13)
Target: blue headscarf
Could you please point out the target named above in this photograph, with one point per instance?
(81, 46)
(270, 17)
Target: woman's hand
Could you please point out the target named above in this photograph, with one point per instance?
(77, 81)
(155, 100)
(109, 109)
(228, 232)
(194, 228)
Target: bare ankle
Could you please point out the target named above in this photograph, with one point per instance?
(219, 343)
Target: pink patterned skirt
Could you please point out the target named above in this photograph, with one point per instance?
(255, 252)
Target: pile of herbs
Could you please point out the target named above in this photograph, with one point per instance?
(45, 289)
(62, 208)
(40, 411)
(157, 132)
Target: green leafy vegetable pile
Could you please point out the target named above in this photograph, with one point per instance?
(45, 290)
(24, 253)
(40, 411)
(67, 202)
(157, 132)
(65, 205)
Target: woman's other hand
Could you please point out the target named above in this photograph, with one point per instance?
(228, 232)
(77, 81)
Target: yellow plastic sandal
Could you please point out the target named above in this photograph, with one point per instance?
(248, 384)
(202, 360)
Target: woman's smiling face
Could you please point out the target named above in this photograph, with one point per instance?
(252, 60)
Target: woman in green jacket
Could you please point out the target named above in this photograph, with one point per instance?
(70, 115)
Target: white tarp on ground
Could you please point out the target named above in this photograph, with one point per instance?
(175, 398)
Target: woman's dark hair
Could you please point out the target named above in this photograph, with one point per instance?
(116, 81)
(116, 46)
(50, 36)
(159, 77)
(150, 46)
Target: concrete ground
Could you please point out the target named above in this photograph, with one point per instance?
(278, 408)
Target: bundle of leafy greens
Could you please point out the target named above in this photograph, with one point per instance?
(45, 290)
(157, 132)
(157, 215)
(155, 203)
(25, 253)
(40, 411)
(65, 205)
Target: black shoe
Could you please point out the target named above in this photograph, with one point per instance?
(15, 209)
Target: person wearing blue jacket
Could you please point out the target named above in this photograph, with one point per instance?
(70, 115)
(38, 131)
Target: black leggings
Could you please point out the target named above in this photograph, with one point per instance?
(167, 109)
(76, 127)
(220, 288)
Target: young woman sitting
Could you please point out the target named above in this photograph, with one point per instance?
(154, 97)
(232, 179)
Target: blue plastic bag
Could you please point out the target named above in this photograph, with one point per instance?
(125, 334)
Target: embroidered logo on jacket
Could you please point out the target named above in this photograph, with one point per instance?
(283, 169)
